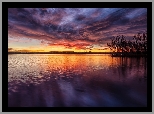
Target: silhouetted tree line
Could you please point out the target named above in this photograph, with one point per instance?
(138, 44)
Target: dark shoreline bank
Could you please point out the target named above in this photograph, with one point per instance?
(113, 54)
(59, 52)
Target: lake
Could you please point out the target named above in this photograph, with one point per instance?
(76, 80)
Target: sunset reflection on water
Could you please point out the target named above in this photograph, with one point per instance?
(51, 80)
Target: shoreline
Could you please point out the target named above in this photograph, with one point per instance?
(113, 54)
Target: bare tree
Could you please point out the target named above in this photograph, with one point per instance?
(120, 44)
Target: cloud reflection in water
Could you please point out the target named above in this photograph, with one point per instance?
(76, 80)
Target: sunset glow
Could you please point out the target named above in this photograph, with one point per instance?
(71, 29)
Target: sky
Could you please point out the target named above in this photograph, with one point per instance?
(71, 29)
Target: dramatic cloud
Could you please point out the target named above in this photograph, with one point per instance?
(93, 26)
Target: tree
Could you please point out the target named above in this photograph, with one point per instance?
(138, 44)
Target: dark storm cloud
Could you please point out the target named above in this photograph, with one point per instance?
(87, 24)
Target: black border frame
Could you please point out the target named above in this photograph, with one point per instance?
(6, 5)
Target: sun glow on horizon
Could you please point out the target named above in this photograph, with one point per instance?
(81, 31)
(56, 49)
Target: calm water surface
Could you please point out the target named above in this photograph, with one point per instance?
(76, 80)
